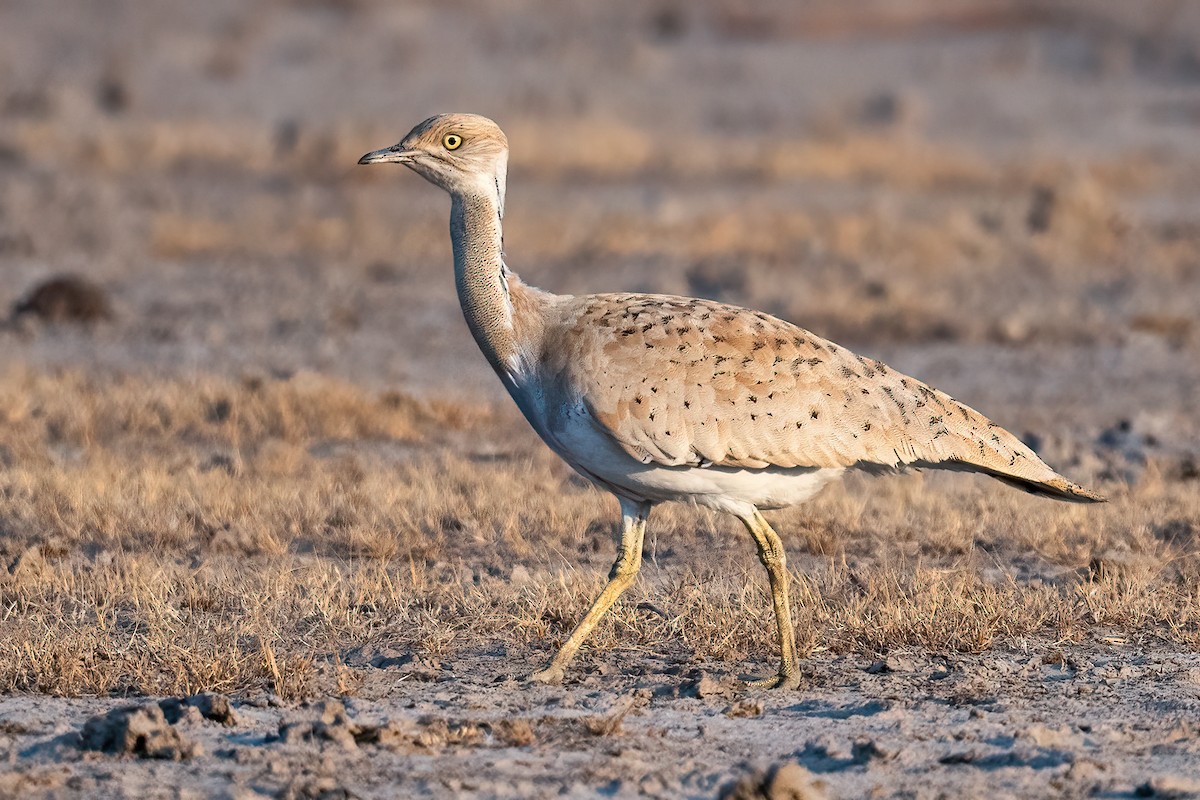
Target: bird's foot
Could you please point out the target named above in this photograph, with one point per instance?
(784, 680)
(550, 675)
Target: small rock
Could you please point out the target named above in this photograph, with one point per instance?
(787, 781)
(1170, 787)
(865, 750)
(704, 685)
(214, 707)
(137, 730)
(332, 725)
(745, 708)
(392, 735)
(67, 298)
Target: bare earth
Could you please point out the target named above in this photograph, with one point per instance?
(266, 465)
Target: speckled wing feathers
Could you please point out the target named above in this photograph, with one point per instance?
(678, 381)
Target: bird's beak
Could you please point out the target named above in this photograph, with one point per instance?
(388, 155)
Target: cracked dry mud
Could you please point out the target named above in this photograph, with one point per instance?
(1087, 720)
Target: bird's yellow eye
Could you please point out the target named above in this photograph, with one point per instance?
(451, 141)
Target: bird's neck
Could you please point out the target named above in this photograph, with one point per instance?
(501, 312)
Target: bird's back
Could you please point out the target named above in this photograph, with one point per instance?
(683, 382)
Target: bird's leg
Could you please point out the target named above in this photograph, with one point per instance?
(770, 553)
(620, 577)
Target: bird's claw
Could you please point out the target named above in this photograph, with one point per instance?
(550, 675)
(785, 681)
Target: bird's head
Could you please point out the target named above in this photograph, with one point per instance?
(462, 153)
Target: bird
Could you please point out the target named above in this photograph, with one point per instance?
(659, 398)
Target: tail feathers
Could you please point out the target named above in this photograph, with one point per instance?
(1039, 478)
(976, 444)
(1057, 487)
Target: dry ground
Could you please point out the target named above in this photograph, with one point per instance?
(282, 473)
(174, 536)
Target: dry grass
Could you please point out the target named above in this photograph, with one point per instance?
(170, 536)
(172, 533)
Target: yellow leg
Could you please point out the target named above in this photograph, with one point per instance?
(620, 577)
(770, 553)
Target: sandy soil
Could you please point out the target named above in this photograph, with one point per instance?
(1093, 720)
(1083, 721)
(997, 196)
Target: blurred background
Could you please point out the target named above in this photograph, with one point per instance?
(997, 195)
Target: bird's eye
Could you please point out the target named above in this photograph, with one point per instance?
(451, 141)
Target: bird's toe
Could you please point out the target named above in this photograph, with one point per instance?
(550, 675)
(784, 681)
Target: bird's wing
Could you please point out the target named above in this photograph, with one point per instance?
(678, 381)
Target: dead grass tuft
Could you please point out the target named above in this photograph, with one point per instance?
(173, 536)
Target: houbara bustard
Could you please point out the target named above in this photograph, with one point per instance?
(658, 398)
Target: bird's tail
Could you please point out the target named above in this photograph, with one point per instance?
(967, 441)
(976, 444)
(1056, 487)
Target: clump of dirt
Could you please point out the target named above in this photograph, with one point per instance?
(214, 707)
(786, 781)
(1169, 787)
(745, 709)
(332, 723)
(148, 730)
(703, 685)
(65, 299)
(141, 730)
